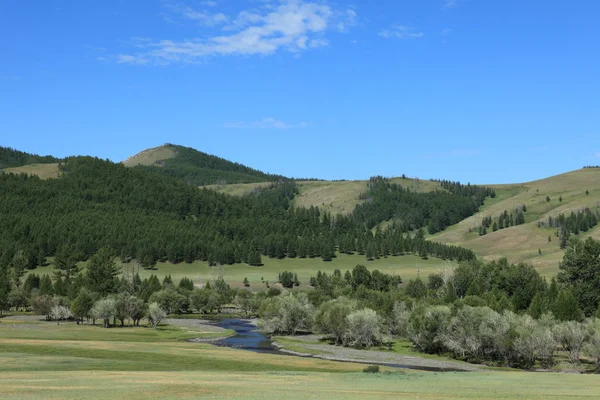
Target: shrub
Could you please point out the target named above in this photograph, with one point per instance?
(364, 328)
(371, 369)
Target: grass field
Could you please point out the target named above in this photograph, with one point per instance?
(408, 267)
(44, 171)
(134, 364)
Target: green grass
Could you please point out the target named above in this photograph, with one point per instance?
(407, 267)
(296, 385)
(71, 361)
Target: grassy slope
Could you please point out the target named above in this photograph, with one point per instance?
(111, 363)
(406, 266)
(521, 243)
(150, 156)
(44, 171)
(335, 197)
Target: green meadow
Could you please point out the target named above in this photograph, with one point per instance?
(42, 360)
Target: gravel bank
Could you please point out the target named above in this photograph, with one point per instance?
(338, 353)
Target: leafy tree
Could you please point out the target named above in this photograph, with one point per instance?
(364, 328)
(81, 307)
(416, 288)
(286, 314)
(42, 305)
(156, 314)
(17, 298)
(330, 317)
(246, 282)
(105, 309)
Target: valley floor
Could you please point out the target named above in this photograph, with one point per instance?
(41, 360)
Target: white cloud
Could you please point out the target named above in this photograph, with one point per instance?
(400, 32)
(598, 154)
(203, 17)
(446, 32)
(291, 25)
(265, 123)
(208, 3)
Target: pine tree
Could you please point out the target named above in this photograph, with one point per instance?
(246, 282)
(539, 305)
(46, 287)
(566, 307)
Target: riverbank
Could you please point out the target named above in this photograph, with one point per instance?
(311, 346)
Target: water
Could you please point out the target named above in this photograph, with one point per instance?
(248, 337)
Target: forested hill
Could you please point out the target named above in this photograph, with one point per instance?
(10, 158)
(195, 167)
(148, 216)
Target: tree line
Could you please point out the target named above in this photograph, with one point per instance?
(504, 220)
(411, 210)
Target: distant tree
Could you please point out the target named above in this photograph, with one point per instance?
(17, 298)
(540, 251)
(81, 307)
(156, 314)
(566, 308)
(65, 262)
(548, 199)
(102, 273)
(104, 309)
(246, 282)
(416, 288)
(560, 199)
(42, 305)
(186, 283)
(587, 192)
(46, 287)
(59, 313)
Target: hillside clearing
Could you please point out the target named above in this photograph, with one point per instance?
(44, 171)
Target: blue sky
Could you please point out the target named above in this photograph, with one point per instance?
(485, 91)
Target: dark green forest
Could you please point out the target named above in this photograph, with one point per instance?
(154, 217)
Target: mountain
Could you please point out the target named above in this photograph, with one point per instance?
(195, 167)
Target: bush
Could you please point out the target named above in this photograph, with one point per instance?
(371, 369)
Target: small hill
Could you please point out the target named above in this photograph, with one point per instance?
(578, 190)
(18, 162)
(195, 167)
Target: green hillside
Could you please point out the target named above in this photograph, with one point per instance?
(524, 242)
(195, 167)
